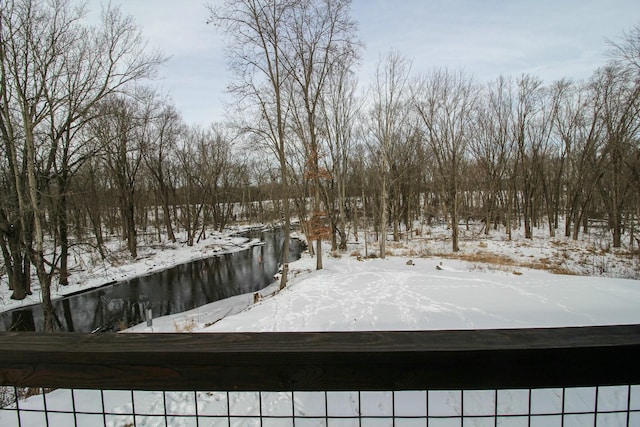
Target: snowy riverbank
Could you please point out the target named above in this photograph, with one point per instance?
(489, 284)
(90, 271)
(429, 294)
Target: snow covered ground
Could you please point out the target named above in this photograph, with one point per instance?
(439, 291)
(419, 286)
(432, 293)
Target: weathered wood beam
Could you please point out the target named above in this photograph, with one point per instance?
(403, 360)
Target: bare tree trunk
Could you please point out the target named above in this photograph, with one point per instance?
(63, 276)
(364, 226)
(383, 214)
(342, 219)
(287, 221)
(17, 264)
(455, 246)
(128, 216)
(166, 216)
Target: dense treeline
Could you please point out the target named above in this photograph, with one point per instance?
(89, 153)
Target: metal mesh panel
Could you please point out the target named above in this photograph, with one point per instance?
(576, 406)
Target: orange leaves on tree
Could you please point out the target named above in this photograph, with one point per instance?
(318, 227)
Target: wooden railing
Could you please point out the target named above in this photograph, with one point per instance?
(404, 360)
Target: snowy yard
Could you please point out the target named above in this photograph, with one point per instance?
(388, 294)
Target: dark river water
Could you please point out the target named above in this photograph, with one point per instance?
(181, 288)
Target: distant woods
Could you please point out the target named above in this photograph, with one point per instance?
(90, 154)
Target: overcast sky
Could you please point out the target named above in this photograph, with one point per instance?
(486, 38)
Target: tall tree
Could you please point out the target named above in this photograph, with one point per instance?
(530, 128)
(390, 93)
(340, 110)
(54, 70)
(618, 92)
(625, 54)
(122, 126)
(293, 46)
(257, 32)
(320, 39)
(579, 128)
(445, 102)
(492, 148)
(194, 155)
(158, 151)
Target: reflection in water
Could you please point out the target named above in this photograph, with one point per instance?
(22, 320)
(178, 289)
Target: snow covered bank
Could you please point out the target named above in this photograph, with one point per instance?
(431, 293)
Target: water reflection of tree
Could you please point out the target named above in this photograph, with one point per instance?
(171, 291)
(67, 315)
(22, 320)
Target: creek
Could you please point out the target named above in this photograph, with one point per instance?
(181, 288)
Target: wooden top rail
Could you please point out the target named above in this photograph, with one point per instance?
(461, 359)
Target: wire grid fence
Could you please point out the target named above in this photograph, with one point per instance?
(576, 406)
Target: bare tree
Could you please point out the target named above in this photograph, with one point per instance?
(579, 128)
(158, 151)
(190, 181)
(290, 48)
(54, 70)
(529, 129)
(219, 171)
(93, 201)
(320, 40)
(550, 159)
(390, 93)
(257, 33)
(340, 110)
(492, 149)
(407, 176)
(626, 50)
(625, 54)
(618, 91)
(121, 128)
(445, 102)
